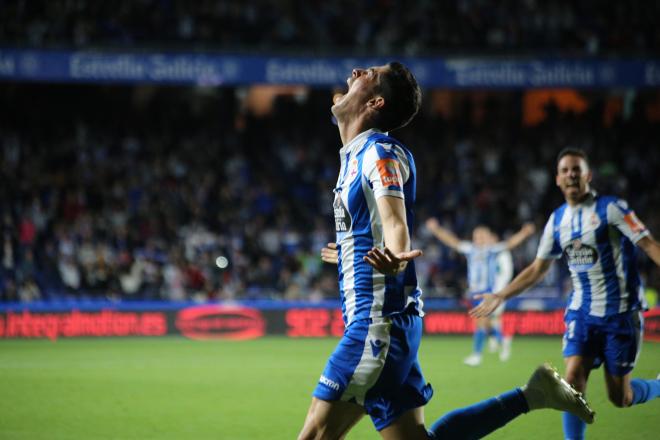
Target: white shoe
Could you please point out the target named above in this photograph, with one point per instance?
(493, 345)
(473, 360)
(505, 353)
(547, 389)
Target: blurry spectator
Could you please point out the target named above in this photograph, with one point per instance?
(396, 25)
(29, 291)
(70, 273)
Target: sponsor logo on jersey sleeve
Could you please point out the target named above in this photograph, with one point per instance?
(634, 223)
(389, 172)
(329, 383)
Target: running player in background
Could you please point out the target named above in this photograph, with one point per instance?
(489, 268)
(374, 369)
(604, 323)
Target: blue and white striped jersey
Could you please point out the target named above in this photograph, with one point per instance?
(373, 165)
(598, 238)
(484, 264)
(504, 270)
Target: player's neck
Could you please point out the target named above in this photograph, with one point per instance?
(574, 201)
(349, 129)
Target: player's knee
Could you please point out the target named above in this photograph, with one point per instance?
(309, 433)
(619, 398)
(315, 431)
(577, 380)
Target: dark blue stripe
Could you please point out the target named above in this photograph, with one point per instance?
(492, 268)
(630, 271)
(383, 153)
(341, 284)
(606, 255)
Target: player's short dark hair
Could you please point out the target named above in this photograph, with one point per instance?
(572, 151)
(402, 95)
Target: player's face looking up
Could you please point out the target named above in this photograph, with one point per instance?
(573, 177)
(361, 95)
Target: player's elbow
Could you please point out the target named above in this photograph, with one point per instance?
(537, 271)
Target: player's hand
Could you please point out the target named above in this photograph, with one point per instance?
(330, 254)
(384, 261)
(490, 301)
(432, 224)
(529, 228)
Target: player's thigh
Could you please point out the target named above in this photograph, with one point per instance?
(483, 322)
(409, 426)
(577, 370)
(329, 420)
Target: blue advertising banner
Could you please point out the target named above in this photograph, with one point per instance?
(213, 69)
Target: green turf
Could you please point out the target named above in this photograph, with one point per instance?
(179, 389)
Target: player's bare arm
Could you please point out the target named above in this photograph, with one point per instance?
(441, 233)
(651, 247)
(531, 275)
(330, 254)
(394, 257)
(519, 237)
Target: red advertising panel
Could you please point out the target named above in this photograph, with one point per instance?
(215, 321)
(652, 325)
(26, 324)
(220, 322)
(314, 323)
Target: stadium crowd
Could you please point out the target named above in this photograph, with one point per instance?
(138, 197)
(374, 26)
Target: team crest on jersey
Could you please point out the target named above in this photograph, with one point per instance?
(352, 171)
(581, 257)
(594, 220)
(389, 172)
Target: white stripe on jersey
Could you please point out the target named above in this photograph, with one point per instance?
(504, 268)
(348, 286)
(377, 278)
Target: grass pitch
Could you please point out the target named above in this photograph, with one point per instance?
(174, 388)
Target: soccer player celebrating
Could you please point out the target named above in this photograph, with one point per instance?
(374, 369)
(489, 268)
(603, 319)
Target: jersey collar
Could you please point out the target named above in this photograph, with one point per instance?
(358, 141)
